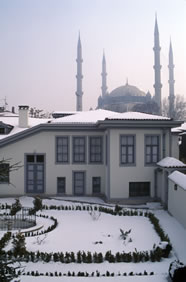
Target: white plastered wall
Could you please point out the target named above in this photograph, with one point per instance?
(175, 146)
(176, 202)
(44, 143)
(120, 176)
(113, 176)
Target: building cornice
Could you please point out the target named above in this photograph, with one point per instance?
(100, 126)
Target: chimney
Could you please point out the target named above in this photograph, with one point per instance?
(13, 110)
(23, 116)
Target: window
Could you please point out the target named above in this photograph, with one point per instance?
(95, 149)
(5, 128)
(79, 182)
(35, 173)
(39, 158)
(4, 173)
(62, 149)
(35, 158)
(61, 185)
(2, 130)
(151, 149)
(139, 189)
(79, 149)
(127, 149)
(96, 185)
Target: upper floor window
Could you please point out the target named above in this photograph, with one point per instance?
(5, 128)
(62, 149)
(4, 173)
(79, 149)
(127, 149)
(152, 149)
(95, 150)
(2, 130)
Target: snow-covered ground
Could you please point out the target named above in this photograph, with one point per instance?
(78, 231)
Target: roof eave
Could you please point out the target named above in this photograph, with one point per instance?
(44, 127)
(139, 123)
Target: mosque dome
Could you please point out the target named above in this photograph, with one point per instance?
(127, 90)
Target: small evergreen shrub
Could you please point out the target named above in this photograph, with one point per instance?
(19, 245)
(79, 257)
(37, 202)
(117, 208)
(15, 207)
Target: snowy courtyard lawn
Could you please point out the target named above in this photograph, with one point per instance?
(77, 230)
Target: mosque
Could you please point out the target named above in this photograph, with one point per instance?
(129, 97)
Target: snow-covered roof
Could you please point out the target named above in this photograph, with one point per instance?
(170, 162)
(136, 116)
(8, 114)
(14, 121)
(178, 178)
(64, 112)
(94, 116)
(87, 117)
(180, 129)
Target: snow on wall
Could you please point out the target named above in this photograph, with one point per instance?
(179, 179)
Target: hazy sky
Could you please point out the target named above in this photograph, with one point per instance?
(38, 47)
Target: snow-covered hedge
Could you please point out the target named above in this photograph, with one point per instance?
(49, 229)
(84, 274)
(177, 271)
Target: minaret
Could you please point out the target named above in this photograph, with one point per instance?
(79, 76)
(157, 67)
(104, 77)
(171, 82)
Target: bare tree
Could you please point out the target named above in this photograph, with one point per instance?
(179, 112)
(6, 168)
(37, 113)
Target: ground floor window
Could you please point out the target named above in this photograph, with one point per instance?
(96, 185)
(139, 189)
(61, 185)
(4, 173)
(79, 182)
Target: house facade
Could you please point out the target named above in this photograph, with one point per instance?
(98, 152)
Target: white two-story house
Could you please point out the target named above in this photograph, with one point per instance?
(97, 152)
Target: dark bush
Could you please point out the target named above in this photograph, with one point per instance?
(117, 208)
(15, 207)
(177, 271)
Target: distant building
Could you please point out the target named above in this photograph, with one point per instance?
(130, 98)
(127, 98)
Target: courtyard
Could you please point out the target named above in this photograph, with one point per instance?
(82, 227)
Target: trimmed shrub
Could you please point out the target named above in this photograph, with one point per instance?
(15, 207)
(19, 245)
(117, 208)
(79, 257)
